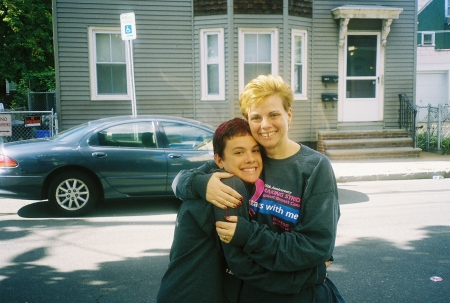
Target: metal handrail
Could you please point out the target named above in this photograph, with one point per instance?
(407, 116)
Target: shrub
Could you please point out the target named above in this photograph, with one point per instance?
(422, 143)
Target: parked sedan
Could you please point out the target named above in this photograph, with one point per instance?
(117, 157)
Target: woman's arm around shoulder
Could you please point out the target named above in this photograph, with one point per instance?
(182, 185)
(202, 183)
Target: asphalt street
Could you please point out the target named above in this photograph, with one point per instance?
(393, 241)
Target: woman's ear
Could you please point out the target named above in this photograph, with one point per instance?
(289, 112)
(218, 161)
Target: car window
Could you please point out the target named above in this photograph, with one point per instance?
(61, 136)
(140, 135)
(184, 136)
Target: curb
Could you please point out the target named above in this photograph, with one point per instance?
(395, 176)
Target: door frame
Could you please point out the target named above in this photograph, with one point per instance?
(380, 75)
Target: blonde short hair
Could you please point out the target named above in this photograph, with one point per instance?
(264, 86)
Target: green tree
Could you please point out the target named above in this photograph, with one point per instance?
(26, 37)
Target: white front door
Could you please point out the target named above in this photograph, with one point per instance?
(362, 100)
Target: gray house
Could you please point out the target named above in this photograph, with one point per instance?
(347, 61)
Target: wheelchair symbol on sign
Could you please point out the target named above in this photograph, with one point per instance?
(128, 29)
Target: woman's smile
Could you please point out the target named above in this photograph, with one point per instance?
(267, 135)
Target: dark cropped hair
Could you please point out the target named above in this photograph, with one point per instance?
(227, 130)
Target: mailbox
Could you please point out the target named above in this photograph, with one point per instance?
(330, 97)
(330, 79)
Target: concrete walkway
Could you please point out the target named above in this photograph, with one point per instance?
(427, 166)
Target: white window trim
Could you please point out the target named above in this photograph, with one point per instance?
(447, 4)
(92, 65)
(274, 34)
(203, 60)
(304, 34)
(432, 38)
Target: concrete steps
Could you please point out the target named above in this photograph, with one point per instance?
(366, 144)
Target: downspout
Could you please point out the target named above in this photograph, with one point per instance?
(311, 37)
(416, 21)
(193, 64)
(56, 56)
(286, 33)
(231, 92)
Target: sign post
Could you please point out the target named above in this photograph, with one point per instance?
(5, 126)
(128, 30)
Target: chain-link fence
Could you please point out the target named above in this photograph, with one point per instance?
(45, 101)
(433, 128)
(39, 120)
(30, 124)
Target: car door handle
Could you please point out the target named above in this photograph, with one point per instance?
(173, 156)
(99, 154)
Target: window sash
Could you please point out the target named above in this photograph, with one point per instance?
(258, 53)
(298, 63)
(257, 48)
(109, 65)
(212, 64)
(428, 38)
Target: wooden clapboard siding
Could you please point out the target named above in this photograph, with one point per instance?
(212, 112)
(162, 57)
(254, 21)
(167, 58)
(324, 61)
(301, 127)
(399, 64)
(400, 60)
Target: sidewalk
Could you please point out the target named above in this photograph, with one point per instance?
(427, 166)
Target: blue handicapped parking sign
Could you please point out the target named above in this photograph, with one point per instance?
(128, 26)
(128, 29)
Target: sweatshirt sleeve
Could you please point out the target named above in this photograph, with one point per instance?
(310, 243)
(246, 269)
(191, 184)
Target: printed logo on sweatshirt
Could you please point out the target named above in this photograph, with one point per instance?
(276, 209)
(283, 207)
(281, 196)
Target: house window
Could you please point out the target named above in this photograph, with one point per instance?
(109, 70)
(427, 38)
(298, 61)
(258, 54)
(212, 60)
(447, 8)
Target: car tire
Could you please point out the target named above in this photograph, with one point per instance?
(72, 193)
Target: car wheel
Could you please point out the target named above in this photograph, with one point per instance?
(72, 193)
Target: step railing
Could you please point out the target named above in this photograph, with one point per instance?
(407, 116)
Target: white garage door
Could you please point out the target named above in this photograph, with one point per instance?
(432, 88)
